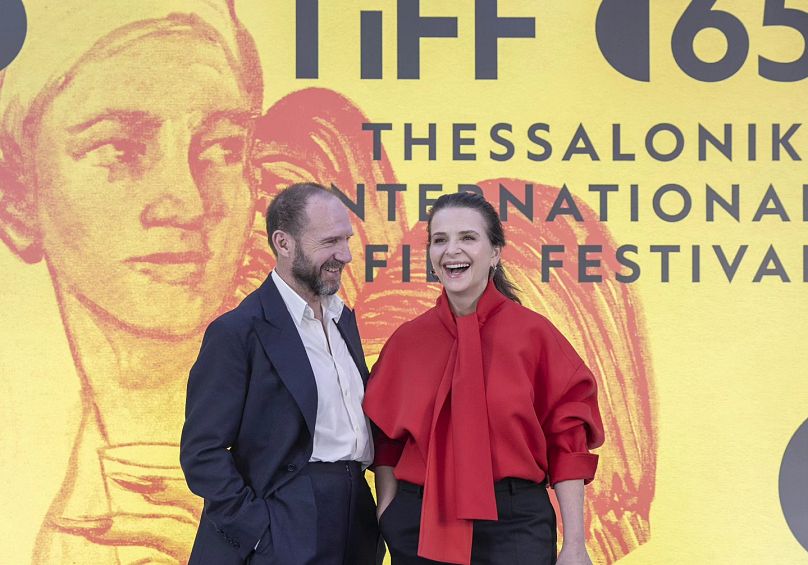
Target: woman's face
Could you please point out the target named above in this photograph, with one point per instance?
(142, 202)
(461, 252)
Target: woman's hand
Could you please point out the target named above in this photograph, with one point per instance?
(386, 488)
(570, 495)
(573, 554)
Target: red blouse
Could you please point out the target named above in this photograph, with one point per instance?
(462, 402)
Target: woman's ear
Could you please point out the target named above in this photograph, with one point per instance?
(496, 257)
(18, 223)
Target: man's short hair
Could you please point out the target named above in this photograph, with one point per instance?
(287, 211)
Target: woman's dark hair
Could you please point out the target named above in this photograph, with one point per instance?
(493, 229)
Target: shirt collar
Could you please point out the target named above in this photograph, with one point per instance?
(299, 308)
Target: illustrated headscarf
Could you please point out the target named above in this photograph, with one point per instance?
(61, 32)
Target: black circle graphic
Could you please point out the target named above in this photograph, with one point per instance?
(794, 484)
(13, 27)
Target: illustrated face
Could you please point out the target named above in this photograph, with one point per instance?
(321, 250)
(461, 252)
(142, 202)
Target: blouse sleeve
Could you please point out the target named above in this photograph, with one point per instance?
(388, 451)
(381, 405)
(574, 426)
(570, 418)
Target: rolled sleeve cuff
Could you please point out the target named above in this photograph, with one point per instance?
(388, 452)
(573, 466)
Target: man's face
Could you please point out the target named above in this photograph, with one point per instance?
(321, 249)
(142, 202)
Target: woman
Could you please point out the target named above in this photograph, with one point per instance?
(126, 131)
(480, 403)
(124, 136)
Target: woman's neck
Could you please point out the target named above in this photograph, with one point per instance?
(135, 383)
(465, 303)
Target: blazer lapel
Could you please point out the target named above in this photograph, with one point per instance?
(278, 335)
(350, 333)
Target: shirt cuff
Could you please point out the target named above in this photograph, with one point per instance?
(388, 452)
(573, 466)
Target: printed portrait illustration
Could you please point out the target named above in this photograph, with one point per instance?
(138, 153)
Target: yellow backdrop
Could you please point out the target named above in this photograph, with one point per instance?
(714, 378)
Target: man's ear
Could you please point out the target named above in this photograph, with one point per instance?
(284, 243)
(18, 222)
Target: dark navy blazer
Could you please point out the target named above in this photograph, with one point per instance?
(249, 428)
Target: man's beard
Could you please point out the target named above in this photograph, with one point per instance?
(308, 274)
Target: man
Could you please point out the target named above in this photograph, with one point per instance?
(275, 439)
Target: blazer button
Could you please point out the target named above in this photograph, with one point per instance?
(291, 467)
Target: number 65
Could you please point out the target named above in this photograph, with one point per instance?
(618, 19)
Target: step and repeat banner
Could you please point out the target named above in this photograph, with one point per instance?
(646, 157)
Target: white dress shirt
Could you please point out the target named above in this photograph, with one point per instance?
(341, 429)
